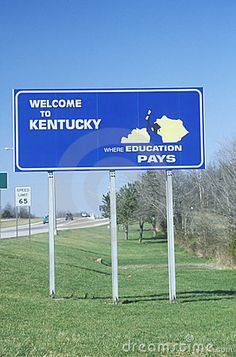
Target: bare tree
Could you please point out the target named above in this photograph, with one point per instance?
(151, 192)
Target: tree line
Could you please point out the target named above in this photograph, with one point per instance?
(204, 206)
(10, 212)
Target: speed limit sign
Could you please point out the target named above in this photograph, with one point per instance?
(23, 196)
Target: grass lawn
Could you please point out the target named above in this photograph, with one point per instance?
(21, 221)
(82, 321)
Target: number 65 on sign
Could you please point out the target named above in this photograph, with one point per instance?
(23, 196)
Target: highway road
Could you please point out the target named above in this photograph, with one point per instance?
(37, 228)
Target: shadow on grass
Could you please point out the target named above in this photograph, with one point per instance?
(149, 240)
(154, 240)
(91, 252)
(88, 269)
(185, 296)
(208, 295)
(182, 297)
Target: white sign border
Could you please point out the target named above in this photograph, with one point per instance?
(94, 168)
(30, 195)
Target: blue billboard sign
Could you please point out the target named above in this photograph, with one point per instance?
(107, 129)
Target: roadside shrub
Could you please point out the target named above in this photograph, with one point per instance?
(232, 249)
(209, 234)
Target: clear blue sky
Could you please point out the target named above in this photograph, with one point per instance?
(124, 43)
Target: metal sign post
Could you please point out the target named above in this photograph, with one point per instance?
(29, 224)
(114, 259)
(54, 206)
(3, 186)
(51, 236)
(170, 237)
(0, 213)
(17, 223)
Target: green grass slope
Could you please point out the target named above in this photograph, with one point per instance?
(82, 321)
